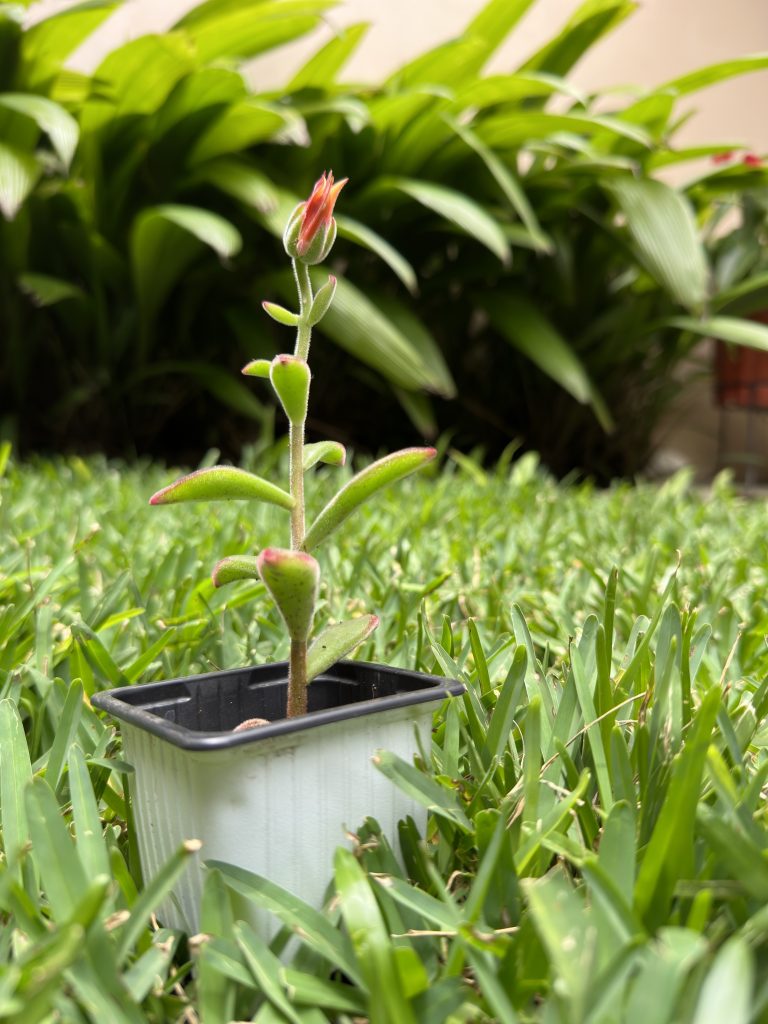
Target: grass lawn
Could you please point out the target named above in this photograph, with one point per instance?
(598, 850)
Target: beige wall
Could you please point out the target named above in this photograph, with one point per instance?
(664, 38)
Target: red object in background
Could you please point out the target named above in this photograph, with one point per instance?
(741, 374)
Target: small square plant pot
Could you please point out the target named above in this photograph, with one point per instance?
(276, 799)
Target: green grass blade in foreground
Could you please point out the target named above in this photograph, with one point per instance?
(370, 938)
(15, 775)
(423, 788)
(726, 993)
(61, 870)
(669, 853)
(307, 922)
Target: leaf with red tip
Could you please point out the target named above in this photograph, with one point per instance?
(292, 578)
(336, 642)
(330, 452)
(234, 568)
(362, 486)
(222, 483)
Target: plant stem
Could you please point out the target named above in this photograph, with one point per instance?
(297, 679)
(297, 666)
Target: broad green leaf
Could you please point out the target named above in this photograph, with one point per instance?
(663, 228)
(165, 240)
(494, 21)
(370, 938)
(587, 24)
(48, 291)
(508, 184)
(361, 487)
(48, 43)
(222, 483)
(15, 774)
(238, 179)
(59, 125)
(727, 991)
(241, 126)
(364, 236)
(521, 127)
(457, 208)
(727, 328)
(330, 452)
(321, 69)
(233, 569)
(19, 172)
(702, 78)
(138, 77)
(423, 788)
(195, 101)
(248, 29)
(335, 642)
(521, 324)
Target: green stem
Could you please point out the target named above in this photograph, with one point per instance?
(297, 667)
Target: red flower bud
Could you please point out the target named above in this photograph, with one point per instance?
(752, 160)
(311, 230)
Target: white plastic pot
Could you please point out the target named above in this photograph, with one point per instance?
(276, 799)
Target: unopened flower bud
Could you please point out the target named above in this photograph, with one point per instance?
(311, 230)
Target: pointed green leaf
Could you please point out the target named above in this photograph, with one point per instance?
(257, 368)
(379, 474)
(702, 78)
(330, 452)
(423, 788)
(663, 227)
(91, 848)
(322, 301)
(727, 328)
(265, 968)
(280, 314)
(336, 642)
(458, 208)
(521, 324)
(59, 125)
(44, 290)
(321, 69)
(362, 235)
(19, 172)
(222, 483)
(234, 568)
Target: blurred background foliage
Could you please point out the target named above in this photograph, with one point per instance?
(513, 262)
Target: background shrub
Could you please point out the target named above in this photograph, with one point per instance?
(532, 277)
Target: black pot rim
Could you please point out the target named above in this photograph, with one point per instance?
(124, 704)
